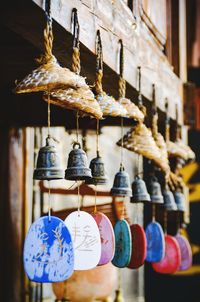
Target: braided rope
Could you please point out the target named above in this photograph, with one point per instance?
(98, 82)
(76, 62)
(48, 41)
(155, 125)
(122, 87)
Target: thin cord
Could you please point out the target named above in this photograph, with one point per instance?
(119, 279)
(165, 221)
(97, 136)
(77, 125)
(49, 201)
(153, 212)
(78, 198)
(49, 114)
(123, 209)
(95, 201)
(122, 140)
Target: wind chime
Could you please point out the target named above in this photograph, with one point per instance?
(140, 195)
(48, 249)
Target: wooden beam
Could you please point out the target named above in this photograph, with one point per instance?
(115, 21)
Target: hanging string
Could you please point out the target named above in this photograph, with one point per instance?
(95, 201)
(122, 144)
(165, 221)
(140, 101)
(49, 114)
(97, 136)
(99, 64)
(153, 212)
(123, 209)
(49, 201)
(76, 65)
(167, 122)
(77, 125)
(78, 188)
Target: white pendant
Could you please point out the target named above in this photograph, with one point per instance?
(86, 240)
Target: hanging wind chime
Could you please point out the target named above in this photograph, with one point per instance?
(48, 249)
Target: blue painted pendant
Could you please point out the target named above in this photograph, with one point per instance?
(155, 242)
(123, 244)
(48, 251)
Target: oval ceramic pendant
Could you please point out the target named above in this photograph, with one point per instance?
(107, 237)
(155, 242)
(48, 251)
(139, 246)
(86, 240)
(123, 245)
(186, 252)
(172, 259)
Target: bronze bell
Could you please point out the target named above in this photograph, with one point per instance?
(119, 297)
(121, 185)
(169, 201)
(180, 200)
(98, 171)
(48, 163)
(139, 191)
(155, 191)
(77, 166)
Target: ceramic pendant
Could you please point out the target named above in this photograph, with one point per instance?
(48, 251)
(107, 237)
(155, 242)
(186, 252)
(123, 245)
(172, 259)
(139, 246)
(86, 240)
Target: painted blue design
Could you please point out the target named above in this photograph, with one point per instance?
(48, 251)
(123, 244)
(155, 242)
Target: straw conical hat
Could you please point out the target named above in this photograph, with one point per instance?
(81, 99)
(49, 75)
(163, 162)
(140, 140)
(133, 111)
(109, 106)
(187, 149)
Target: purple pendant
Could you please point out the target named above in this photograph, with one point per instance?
(186, 252)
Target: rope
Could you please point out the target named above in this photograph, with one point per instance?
(48, 41)
(49, 202)
(122, 87)
(98, 82)
(76, 66)
(95, 201)
(77, 125)
(122, 142)
(167, 122)
(49, 114)
(76, 62)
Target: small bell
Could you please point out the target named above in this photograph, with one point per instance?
(98, 171)
(77, 166)
(155, 191)
(121, 185)
(48, 163)
(139, 191)
(169, 201)
(179, 200)
(119, 297)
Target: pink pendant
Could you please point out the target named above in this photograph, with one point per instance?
(107, 237)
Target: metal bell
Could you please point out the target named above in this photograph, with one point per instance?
(139, 191)
(48, 163)
(121, 185)
(77, 166)
(155, 191)
(180, 200)
(98, 171)
(169, 201)
(119, 297)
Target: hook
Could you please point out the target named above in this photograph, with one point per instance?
(121, 59)
(99, 52)
(75, 28)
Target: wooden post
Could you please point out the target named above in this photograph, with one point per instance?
(11, 214)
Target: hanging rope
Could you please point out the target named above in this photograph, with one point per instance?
(167, 122)
(122, 142)
(140, 101)
(154, 113)
(49, 114)
(77, 126)
(99, 64)
(122, 82)
(76, 64)
(97, 137)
